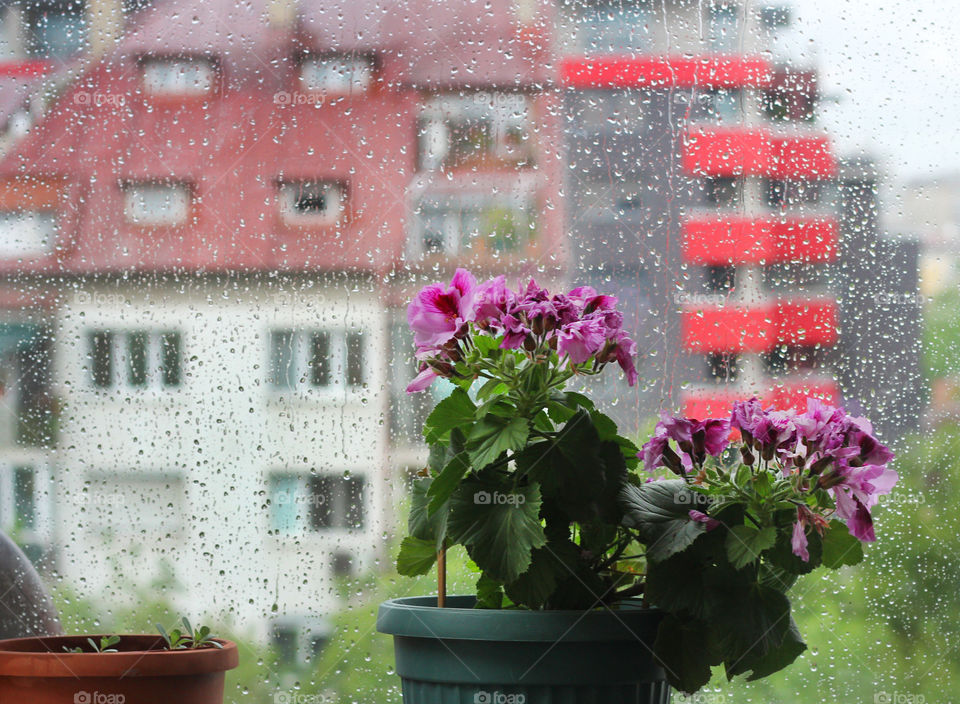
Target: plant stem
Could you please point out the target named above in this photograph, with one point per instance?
(442, 575)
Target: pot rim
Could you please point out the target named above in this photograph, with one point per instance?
(43, 656)
(420, 617)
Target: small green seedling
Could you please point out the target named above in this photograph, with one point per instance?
(179, 639)
(104, 646)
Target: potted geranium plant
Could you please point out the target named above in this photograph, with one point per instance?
(186, 665)
(601, 580)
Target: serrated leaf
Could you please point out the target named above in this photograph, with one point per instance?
(679, 649)
(445, 483)
(452, 412)
(745, 543)
(660, 512)
(499, 528)
(549, 564)
(421, 523)
(489, 593)
(839, 547)
(416, 556)
(494, 435)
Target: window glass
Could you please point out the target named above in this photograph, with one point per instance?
(215, 214)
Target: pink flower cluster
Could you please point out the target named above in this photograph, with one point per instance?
(579, 326)
(827, 448)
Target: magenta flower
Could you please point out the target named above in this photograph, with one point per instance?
(716, 435)
(798, 541)
(437, 312)
(581, 340)
(422, 381)
(746, 416)
(625, 350)
(514, 332)
(858, 492)
(493, 299)
(701, 517)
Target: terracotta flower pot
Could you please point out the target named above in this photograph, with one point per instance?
(39, 671)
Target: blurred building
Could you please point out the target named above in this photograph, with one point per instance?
(218, 225)
(703, 193)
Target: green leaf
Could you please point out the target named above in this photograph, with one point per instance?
(499, 528)
(745, 543)
(606, 428)
(839, 547)
(489, 593)
(550, 564)
(753, 629)
(680, 650)
(575, 399)
(781, 554)
(492, 436)
(559, 412)
(452, 412)
(660, 512)
(416, 556)
(486, 343)
(422, 524)
(493, 387)
(445, 483)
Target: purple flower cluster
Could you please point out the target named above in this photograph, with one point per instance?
(823, 448)
(579, 326)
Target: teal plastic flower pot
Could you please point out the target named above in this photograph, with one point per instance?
(462, 655)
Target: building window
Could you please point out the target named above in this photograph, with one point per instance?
(786, 194)
(302, 503)
(337, 74)
(721, 106)
(722, 367)
(25, 233)
(156, 204)
(724, 25)
(25, 497)
(452, 224)
(720, 279)
(136, 359)
(178, 76)
(475, 130)
(794, 359)
(312, 202)
(724, 191)
(614, 26)
(317, 359)
(56, 29)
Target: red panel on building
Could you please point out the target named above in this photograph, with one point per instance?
(806, 157)
(791, 394)
(759, 328)
(794, 394)
(704, 71)
(807, 323)
(739, 240)
(726, 152)
(729, 328)
(739, 151)
(25, 69)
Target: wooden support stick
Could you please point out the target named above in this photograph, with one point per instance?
(442, 575)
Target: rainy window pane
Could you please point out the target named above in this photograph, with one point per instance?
(213, 216)
(336, 74)
(27, 234)
(149, 204)
(312, 202)
(178, 76)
